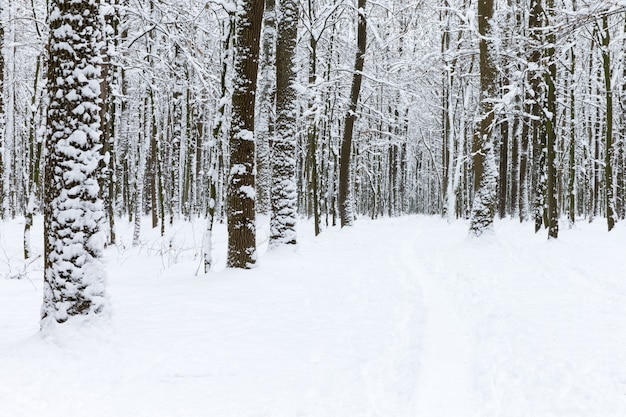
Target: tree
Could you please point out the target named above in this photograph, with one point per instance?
(266, 102)
(241, 192)
(107, 116)
(485, 170)
(283, 195)
(2, 117)
(343, 200)
(550, 131)
(73, 209)
(609, 151)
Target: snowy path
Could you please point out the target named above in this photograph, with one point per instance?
(445, 388)
(401, 317)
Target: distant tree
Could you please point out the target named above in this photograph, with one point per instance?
(283, 195)
(610, 149)
(73, 209)
(241, 191)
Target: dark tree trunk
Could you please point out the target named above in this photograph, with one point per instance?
(504, 167)
(344, 201)
(571, 187)
(312, 124)
(483, 207)
(35, 145)
(549, 79)
(241, 192)
(609, 149)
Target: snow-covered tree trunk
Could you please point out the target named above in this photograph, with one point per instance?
(210, 221)
(215, 149)
(2, 109)
(449, 178)
(312, 123)
(241, 192)
(73, 215)
(10, 105)
(266, 102)
(344, 200)
(609, 152)
(550, 130)
(620, 202)
(139, 174)
(283, 194)
(571, 185)
(536, 123)
(483, 208)
(107, 112)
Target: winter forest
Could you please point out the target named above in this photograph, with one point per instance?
(360, 185)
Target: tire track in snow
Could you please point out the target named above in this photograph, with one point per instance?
(445, 387)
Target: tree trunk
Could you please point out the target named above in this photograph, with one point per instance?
(2, 108)
(504, 166)
(266, 103)
(571, 187)
(483, 208)
(609, 149)
(35, 150)
(73, 214)
(344, 201)
(241, 192)
(312, 123)
(283, 194)
(549, 79)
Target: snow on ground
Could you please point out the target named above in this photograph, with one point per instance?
(393, 317)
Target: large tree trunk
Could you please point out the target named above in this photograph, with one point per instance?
(344, 201)
(483, 208)
(284, 195)
(73, 214)
(241, 192)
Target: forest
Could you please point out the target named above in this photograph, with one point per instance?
(315, 208)
(321, 109)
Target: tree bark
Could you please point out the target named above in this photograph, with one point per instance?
(241, 192)
(549, 79)
(73, 214)
(284, 195)
(344, 202)
(266, 105)
(483, 207)
(609, 149)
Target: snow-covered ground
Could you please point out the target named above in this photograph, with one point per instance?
(393, 317)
